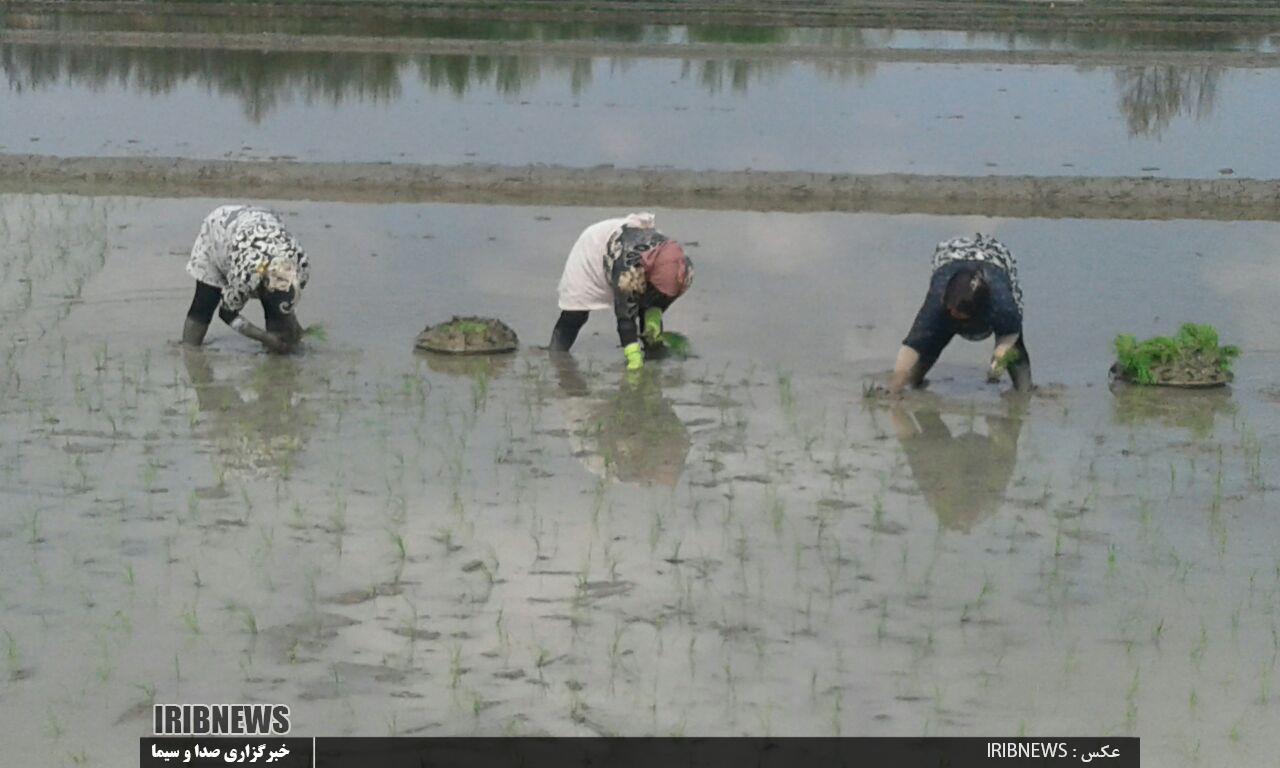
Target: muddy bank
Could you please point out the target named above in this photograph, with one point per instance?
(1004, 196)
(616, 49)
(901, 14)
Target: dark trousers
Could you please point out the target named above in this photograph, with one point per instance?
(566, 330)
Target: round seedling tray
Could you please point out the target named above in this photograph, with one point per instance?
(1180, 376)
(468, 336)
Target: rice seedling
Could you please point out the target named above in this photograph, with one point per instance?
(53, 725)
(191, 620)
(1188, 355)
(12, 657)
(148, 691)
(1131, 701)
(33, 527)
(776, 510)
(104, 667)
(455, 665)
(1201, 646)
(543, 658)
(336, 679)
(398, 545)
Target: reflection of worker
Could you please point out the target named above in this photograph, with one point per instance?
(255, 433)
(963, 477)
(633, 434)
(628, 264)
(243, 253)
(1196, 410)
(974, 292)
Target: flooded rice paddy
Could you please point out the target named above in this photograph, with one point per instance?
(738, 543)
(1146, 118)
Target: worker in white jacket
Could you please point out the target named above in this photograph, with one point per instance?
(627, 264)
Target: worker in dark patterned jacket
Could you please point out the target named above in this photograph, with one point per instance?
(974, 293)
(242, 253)
(628, 264)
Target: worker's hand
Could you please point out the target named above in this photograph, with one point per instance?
(1000, 362)
(876, 392)
(286, 328)
(635, 356)
(652, 332)
(276, 343)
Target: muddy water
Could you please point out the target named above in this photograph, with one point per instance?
(736, 543)
(858, 116)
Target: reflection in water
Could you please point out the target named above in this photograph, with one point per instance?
(963, 476)
(477, 367)
(260, 422)
(373, 25)
(1138, 40)
(633, 434)
(508, 75)
(1191, 409)
(1151, 97)
(262, 81)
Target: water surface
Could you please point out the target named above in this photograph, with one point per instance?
(854, 116)
(737, 543)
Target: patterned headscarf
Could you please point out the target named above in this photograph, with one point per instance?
(273, 256)
(667, 268)
(981, 248)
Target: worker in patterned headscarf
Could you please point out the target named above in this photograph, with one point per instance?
(628, 264)
(974, 292)
(242, 253)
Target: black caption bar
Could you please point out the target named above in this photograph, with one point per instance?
(226, 750)
(531, 752)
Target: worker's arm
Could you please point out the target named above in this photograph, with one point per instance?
(1010, 351)
(652, 327)
(909, 369)
(1020, 368)
(282, 321)
(930, 333)
(626, 307)
(1001, 357)
(247, 329)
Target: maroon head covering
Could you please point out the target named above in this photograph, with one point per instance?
(666, 268)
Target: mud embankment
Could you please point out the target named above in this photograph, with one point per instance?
(1002, 196)
(985, 15)
(595, 48)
